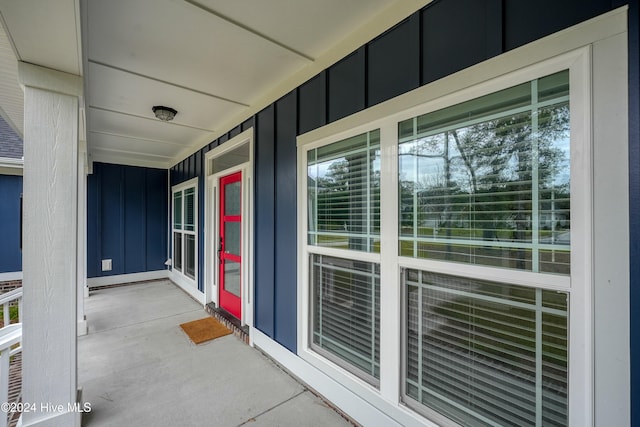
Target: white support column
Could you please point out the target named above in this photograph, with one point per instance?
(49, 367)
(82, 236)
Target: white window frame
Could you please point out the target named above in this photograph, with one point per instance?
(578, 314)
(180, 275)
(572, 50)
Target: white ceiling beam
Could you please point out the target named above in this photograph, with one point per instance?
(190, 89)
(103, 156)
(248, 29)
(128, 153)
(94, 107)
(136, 138)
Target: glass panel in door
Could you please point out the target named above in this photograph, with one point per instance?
(229, 245)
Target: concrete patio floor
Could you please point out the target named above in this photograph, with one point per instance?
(138, 368)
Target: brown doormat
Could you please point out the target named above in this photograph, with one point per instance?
(203, 330)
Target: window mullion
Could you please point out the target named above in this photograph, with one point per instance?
(372, 354)
(389, 297)
(535, 178)
(415, 194)
(320, 302)
(539, 357)
(183, 239)
(369, 234)
(420, 332)
(315, 203)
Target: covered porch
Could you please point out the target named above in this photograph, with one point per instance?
(170, 144)
(137, 367)
(98, 175)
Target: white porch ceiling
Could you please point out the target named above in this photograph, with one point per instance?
(215, 61)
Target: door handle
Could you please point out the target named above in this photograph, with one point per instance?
(220, 247)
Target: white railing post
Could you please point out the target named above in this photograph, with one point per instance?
(10, 335)
(4, 385)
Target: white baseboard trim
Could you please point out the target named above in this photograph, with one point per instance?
(344, 399)
(13, 275)
(127, 278)
(55, 419)
(82, 327)
(187, 286)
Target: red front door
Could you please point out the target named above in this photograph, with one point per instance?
(229, 246)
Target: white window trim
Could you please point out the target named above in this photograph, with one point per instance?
(178, 275)
(571, 48)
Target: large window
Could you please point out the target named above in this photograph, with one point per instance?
(452, 223)
(344, 218)
(486, 182)
(184, 230)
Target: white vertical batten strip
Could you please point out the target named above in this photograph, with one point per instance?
(82, 238)
(390, 295)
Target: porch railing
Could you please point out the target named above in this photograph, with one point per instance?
(10, 335)
(8, 299)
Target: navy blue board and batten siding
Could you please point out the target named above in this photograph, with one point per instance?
(393, 62)
(10, 253)
(264, 238)
(444, 37)
(312, 105)
(126, 219)
(346, 87)
(286, 213)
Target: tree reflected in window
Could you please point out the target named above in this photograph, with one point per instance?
(487, 181)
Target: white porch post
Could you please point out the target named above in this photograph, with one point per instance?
(82, 235)
(50, 186)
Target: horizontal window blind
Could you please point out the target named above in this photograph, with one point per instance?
(485, 353)
(487, 181)
(189, 209)
(177, 210)
(184, 227)
(346, 313)
(190, 255)
(177, 251)
(344, 194)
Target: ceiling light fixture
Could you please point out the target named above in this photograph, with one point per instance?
(164, 113)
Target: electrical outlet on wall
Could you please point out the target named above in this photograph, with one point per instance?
(106, 265)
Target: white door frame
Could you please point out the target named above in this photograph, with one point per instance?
(211, 225)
